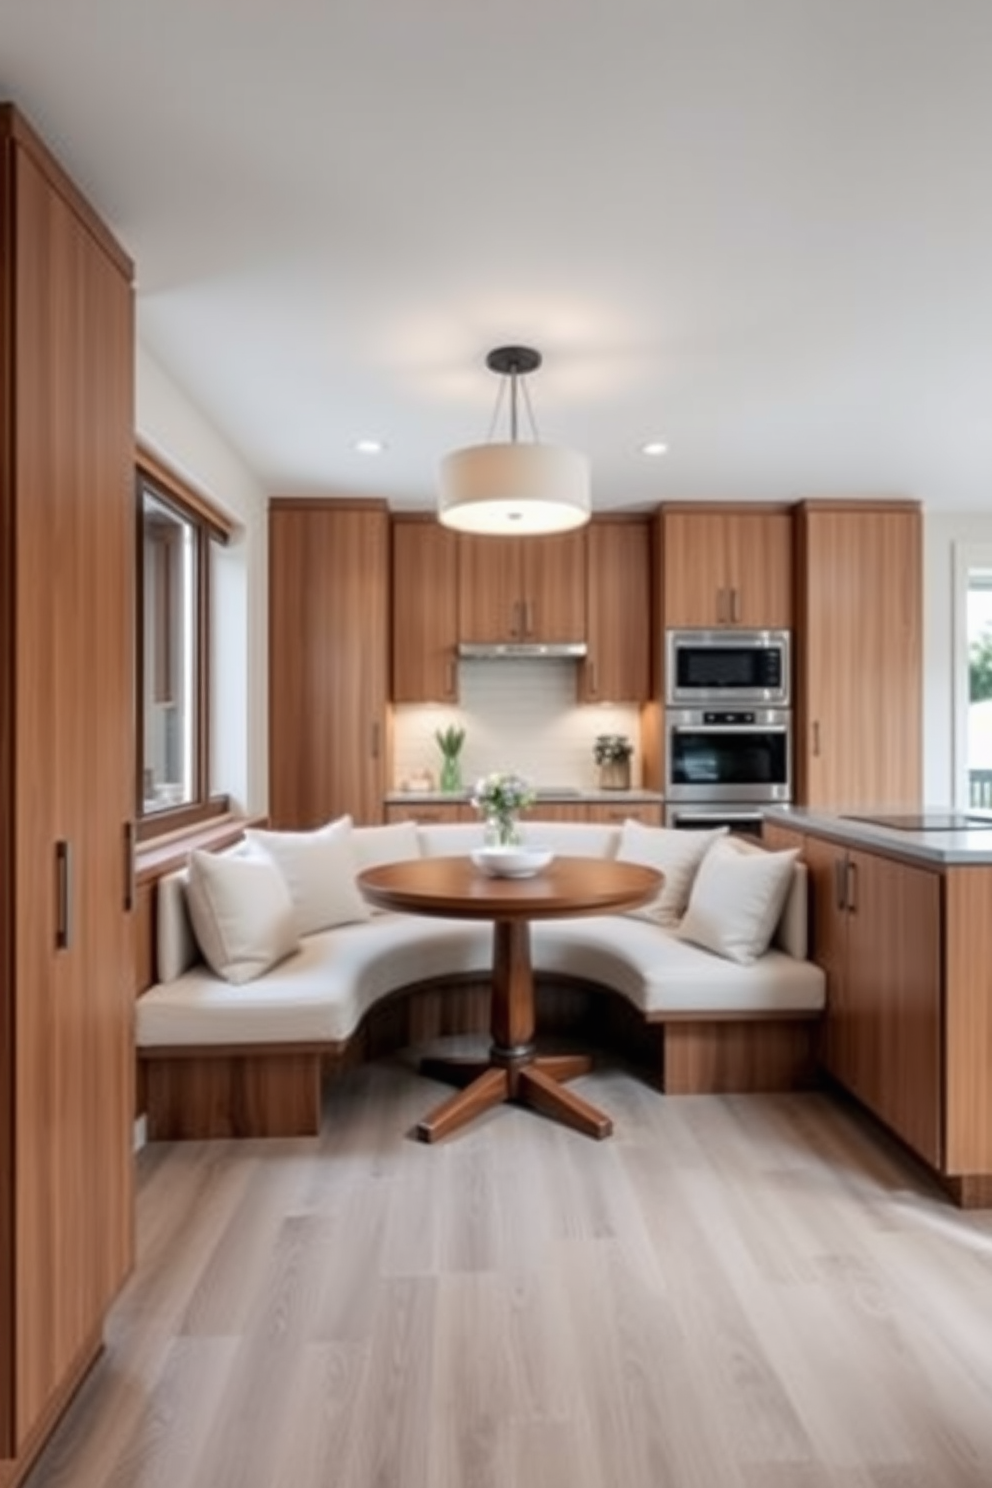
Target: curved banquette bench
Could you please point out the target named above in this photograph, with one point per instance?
(243, 1052)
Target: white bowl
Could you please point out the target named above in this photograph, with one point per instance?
(511, 862)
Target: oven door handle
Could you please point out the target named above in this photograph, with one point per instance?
(729, 728)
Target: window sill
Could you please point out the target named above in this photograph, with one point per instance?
(161, 855)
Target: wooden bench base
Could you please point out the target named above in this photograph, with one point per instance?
(201, 1093)
(275, 1091)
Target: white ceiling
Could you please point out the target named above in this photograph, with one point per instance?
(760, 230)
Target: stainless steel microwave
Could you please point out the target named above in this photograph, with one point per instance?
(728, 666)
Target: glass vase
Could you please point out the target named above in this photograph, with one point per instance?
(502, 830)
(451, 775)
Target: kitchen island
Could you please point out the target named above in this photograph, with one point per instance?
(902, 926)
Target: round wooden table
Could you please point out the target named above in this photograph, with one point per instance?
(453, 888)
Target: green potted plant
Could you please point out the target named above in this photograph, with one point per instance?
(450, 741)
(612, 753)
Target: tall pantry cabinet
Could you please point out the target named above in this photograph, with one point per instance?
(66, 786)
(858, 656)
(329, 651)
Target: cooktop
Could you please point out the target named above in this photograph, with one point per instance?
(928, 821)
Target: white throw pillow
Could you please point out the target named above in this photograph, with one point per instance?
(736, 901)
(242, 914)
(675, 853)
(319, 870)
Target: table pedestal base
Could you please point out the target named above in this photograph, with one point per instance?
(517, 1075)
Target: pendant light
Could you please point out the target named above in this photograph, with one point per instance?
(514, 487)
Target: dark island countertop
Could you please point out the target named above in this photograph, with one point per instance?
(967, 845)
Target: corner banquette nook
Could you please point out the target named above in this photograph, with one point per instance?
(495, 921)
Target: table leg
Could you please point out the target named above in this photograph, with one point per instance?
(490, 1089)
(513, 1070)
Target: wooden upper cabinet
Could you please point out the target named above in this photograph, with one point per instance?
(522, 588)
(618, 612)
(425, 611)
(858, 662)
(725, 567)
(328, 652)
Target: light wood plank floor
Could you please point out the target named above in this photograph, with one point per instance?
(733, 1292)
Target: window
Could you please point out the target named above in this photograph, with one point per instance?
(176, 531)
(974, 712)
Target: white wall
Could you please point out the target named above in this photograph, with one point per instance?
(943, 535)
(174, 429)
(517, 715)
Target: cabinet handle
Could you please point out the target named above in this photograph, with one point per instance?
(63, 879)
(129, 867)
(816, 737)
(852, 887)
(528, 617)
(516, 621)
(840, 882)
(452, 675)
(721, 609)
(591, 678)
(735, 609)
(375, 740)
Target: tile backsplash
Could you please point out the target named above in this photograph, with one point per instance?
(519, 715)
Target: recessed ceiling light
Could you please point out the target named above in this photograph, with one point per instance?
(369, 446)
(654, 447)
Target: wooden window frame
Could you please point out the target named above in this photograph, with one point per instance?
(211, 525)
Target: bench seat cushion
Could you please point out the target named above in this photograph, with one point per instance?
(318, 995)
(321, 993)
(659, 973)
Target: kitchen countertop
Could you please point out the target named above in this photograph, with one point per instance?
(939, 848)
(544, 794)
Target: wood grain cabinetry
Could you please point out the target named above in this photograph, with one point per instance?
(435, 812)
(619, 619)
(431, 813)
(67, 798)
(858, 654)
(726, 566)
(522, 589)
(425, 611)
(649, 813)
(876, 930)
(877, 935)
(328, 608)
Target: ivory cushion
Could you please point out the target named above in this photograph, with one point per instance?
(675, 853)
(736, 900)
(319, 869)
(242, 914)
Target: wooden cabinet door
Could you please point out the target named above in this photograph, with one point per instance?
(894, 976)
(618, 611)
(858, 663)
(425, 612)
(67, 1169)
(730, 568)
(328, 599)
(522, 589)
(828, 948)
(553, 586)
(490, 601)
(758, 578)
(694, 570)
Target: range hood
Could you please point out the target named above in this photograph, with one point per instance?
(527, 650)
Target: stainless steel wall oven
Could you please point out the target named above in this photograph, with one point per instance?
(717, 756)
